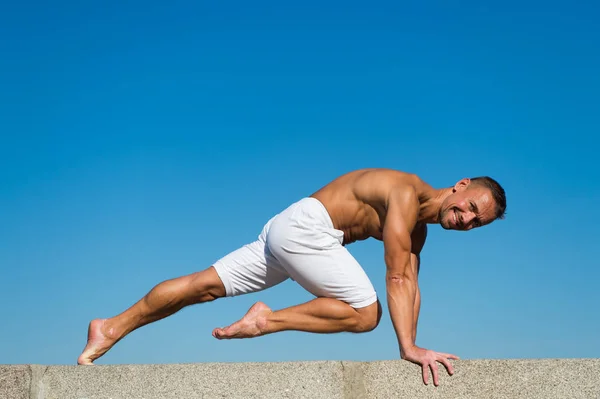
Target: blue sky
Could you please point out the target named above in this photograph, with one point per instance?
(140, 142)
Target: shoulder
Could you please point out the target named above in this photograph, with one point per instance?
(402, 192)
(401, 209)
(401, 199)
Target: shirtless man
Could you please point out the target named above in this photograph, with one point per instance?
(306, 242)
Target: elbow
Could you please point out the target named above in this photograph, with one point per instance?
(400, 284)
(399, 272)
(398, 279)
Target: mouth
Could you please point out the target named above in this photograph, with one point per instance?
(455, 219)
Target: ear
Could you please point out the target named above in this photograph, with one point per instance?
(462, 184)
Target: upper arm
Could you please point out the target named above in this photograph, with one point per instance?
(401, 218)
(418, 237)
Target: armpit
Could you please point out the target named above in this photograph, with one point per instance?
(418, 237)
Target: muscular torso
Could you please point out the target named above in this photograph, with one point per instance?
(357, 203)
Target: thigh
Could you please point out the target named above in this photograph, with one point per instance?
(309, 248)
(332, 273)
(249, 269)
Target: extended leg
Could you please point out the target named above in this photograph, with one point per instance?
(163, 300)
(321, 315)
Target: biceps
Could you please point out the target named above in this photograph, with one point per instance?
(397, 244)
(399, 223)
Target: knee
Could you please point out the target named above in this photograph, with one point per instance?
(368, 318)
(206, 286)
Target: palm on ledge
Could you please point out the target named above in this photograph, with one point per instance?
(428, 359)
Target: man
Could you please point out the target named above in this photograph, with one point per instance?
(306, 242)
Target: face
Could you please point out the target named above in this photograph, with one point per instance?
(469, 206)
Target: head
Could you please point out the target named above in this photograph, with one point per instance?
(473, 203)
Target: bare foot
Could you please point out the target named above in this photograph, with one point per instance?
(98, 343)
(253, 324)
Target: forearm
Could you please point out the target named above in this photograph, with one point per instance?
(416, 310)
(401, 293)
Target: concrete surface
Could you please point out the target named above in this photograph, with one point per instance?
(15, 382)
(489, 379)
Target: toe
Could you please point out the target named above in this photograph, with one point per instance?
(217, 333)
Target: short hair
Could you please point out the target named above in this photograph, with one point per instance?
(497, 193)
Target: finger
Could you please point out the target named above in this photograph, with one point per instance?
(449, 356)
(425, 369)
(447, 364)
(434, 371)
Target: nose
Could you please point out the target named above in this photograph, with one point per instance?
(467, 218)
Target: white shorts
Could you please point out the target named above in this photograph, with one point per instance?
(299, 243)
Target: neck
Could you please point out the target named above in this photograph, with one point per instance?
(431, 202)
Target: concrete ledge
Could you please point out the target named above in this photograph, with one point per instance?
(15, 382)
(489, 379)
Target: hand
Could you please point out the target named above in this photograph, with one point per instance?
(427, 358)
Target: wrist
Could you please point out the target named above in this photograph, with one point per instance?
(406, 350)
